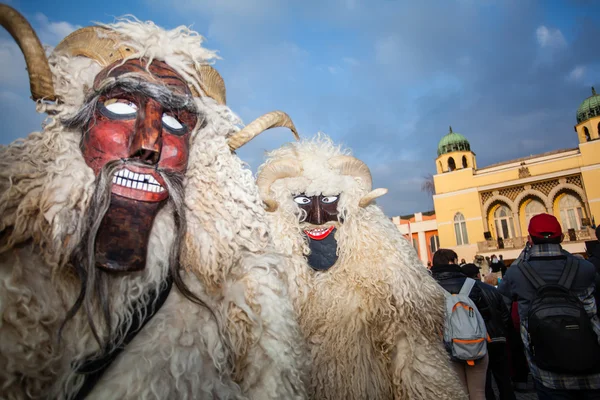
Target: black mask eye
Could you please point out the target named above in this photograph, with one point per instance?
(329, 199)
(302, 200)
(173, 125)
(119, 109)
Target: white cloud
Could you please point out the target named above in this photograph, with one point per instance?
(350, 61)
(333, 70)
(552, 38)
(577, 73)
(51, 33)
(12, 64)
(19, 115)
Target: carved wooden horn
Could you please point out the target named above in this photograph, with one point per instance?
(272, 172)
(348, 165)
(270, 120)
(40, 76)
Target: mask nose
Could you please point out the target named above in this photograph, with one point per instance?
(318, 211)
(147, 141)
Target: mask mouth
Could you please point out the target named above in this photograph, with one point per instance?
(139, 183)
(319, 233)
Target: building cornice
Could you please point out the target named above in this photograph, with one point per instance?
(529, 179)
(527, 162)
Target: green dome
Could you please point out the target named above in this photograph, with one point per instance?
(453, 142)
(589, 108)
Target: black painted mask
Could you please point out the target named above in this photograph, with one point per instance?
(323, 246)
(319, 209)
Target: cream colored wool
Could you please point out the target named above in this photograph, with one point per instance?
(45, 189)
(374, 320)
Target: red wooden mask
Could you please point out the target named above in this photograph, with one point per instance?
(151, 139)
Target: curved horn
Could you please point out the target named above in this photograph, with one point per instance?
(372, 195)
(40, 76)
(348, 165)
(272, 172)
(270, 120)
(212, 83)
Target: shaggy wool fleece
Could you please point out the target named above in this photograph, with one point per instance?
(245, 344)
(374, 320)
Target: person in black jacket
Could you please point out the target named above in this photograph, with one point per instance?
(492, 308)
(594, 258)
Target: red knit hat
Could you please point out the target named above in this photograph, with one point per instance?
(544, 226)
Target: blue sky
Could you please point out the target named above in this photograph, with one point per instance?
(384, 77)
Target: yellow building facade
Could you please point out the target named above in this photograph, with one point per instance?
(484, 211)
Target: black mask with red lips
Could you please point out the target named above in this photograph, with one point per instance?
(321, 241)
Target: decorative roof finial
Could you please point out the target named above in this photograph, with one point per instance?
(593, 91)
(450, 129)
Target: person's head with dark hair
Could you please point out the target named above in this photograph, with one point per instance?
(471, 270)
(444, 257)
(545, 228)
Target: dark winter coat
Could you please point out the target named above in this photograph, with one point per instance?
(488, 300)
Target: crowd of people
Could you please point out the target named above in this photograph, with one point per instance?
(540, 313)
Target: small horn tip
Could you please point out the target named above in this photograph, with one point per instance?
(271, 205)
(296, 135)
(372, 195)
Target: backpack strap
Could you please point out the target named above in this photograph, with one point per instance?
(569, 273)
(533, 277)
(467, 286)
(93, 368)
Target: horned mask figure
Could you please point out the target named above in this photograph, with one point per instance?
(131, 188)
(370, 313)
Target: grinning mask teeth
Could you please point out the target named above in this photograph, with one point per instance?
(319, 233)
(144, 182)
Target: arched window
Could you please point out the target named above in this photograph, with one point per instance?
(451, 164)
(464, 162)
(504, 222)
(434, 243)
(587, 134)
(460, 229)
(571, 212)
(533, 208)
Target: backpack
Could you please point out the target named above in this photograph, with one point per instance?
(465, 333)
(560, 334)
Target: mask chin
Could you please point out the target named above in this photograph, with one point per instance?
(323, 251)
(122, 239)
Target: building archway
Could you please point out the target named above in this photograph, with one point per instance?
(504, 222)
(571, 210)
(533, 207)
(532, 193)
(493, 201)
(451, 164)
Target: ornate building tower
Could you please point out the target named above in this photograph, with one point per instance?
(454, 152)
(588, 119)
